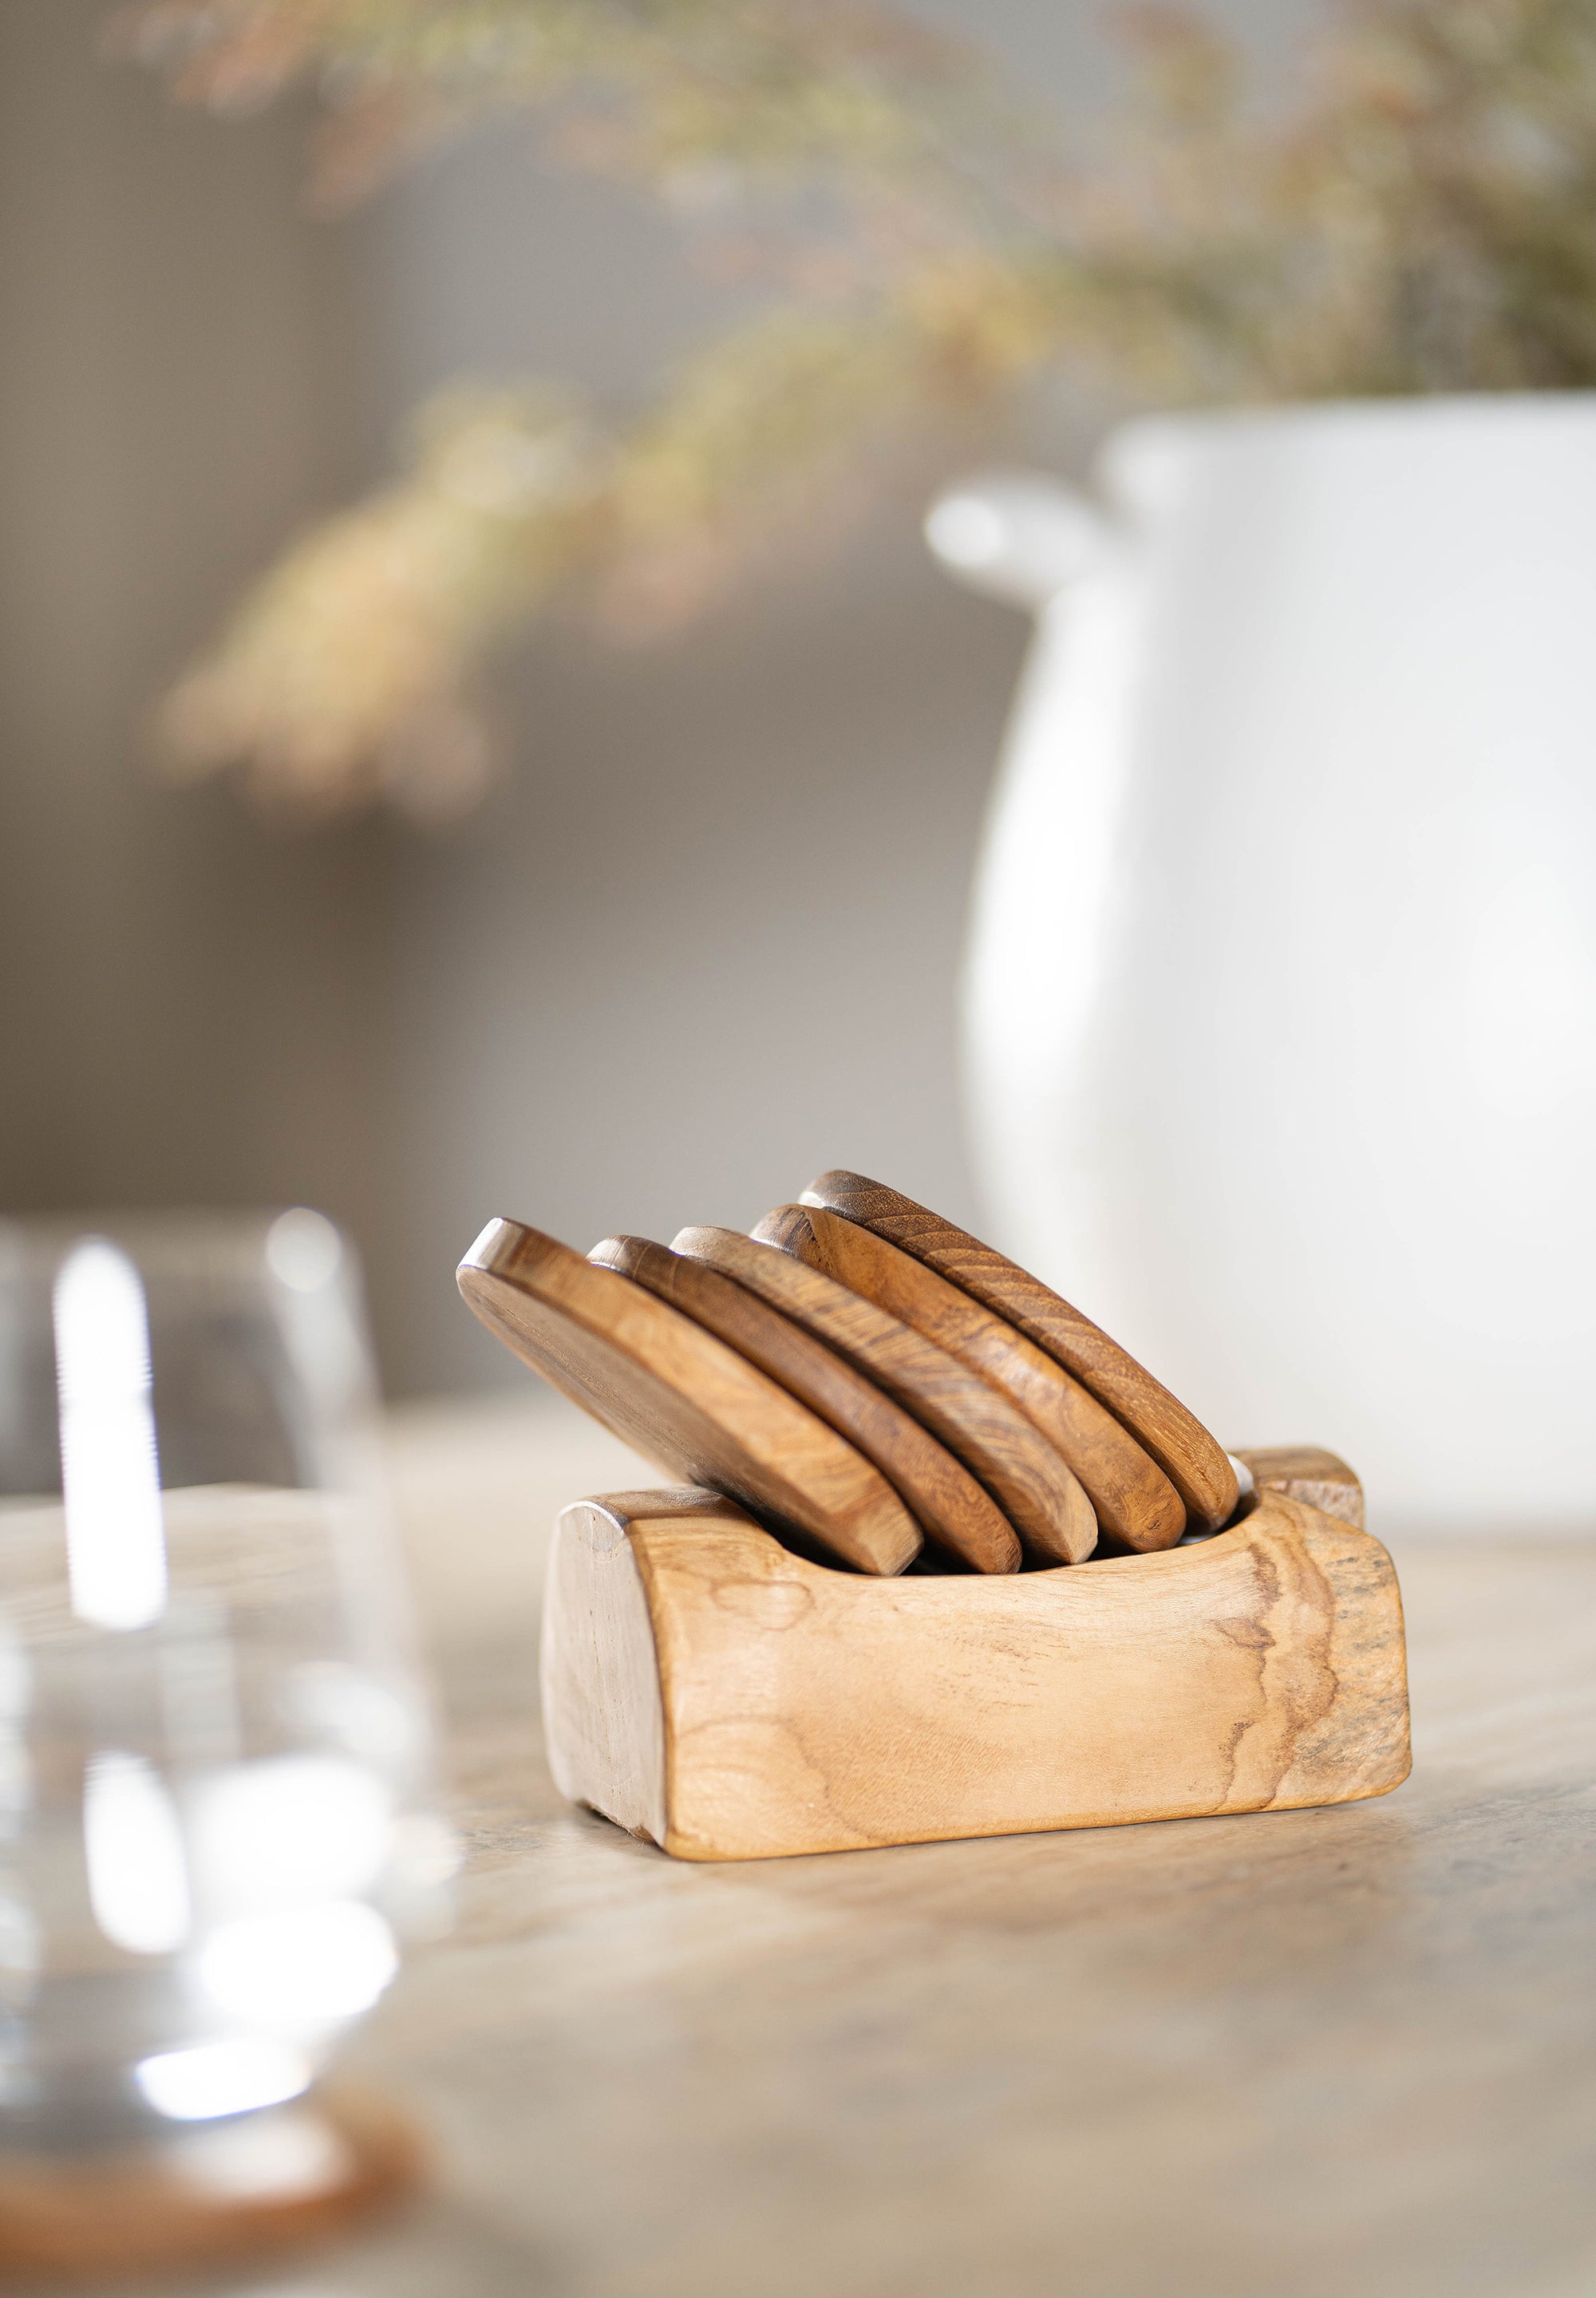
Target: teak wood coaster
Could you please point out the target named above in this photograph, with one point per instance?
(234, 2191)
(951, 1508)
(677, 1393)
(1194, 1464)
(707, 1689)
(1136, 1503)
(1032, 1483)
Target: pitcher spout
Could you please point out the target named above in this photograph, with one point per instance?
(1015, 536)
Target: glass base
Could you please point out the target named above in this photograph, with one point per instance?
(226, 2190)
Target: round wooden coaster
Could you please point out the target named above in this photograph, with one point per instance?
(228, 2192)
(952, 1509)
(677, 1393)
(1032, 1485)
(1195, 1463)
(1136, 1503)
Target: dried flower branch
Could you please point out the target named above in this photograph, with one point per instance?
(656, 91)
(1420, 223)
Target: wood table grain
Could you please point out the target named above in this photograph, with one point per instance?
(1336, 2053)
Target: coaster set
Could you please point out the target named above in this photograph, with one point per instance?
(944, 1559)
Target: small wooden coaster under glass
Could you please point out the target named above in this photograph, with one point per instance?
(232, 2190)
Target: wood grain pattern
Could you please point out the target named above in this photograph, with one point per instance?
(598, 1669)
(1194, 1464)
(1332, 2054)
(681, 1396)
(951, 1509)
(803, 1710)
(1136, 1504)
(1035, 1488)
(1306, 1472)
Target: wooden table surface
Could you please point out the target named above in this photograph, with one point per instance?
(1339, 2053)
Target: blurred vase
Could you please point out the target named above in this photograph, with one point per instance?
(1280, 999)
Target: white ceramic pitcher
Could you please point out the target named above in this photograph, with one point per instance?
(1281, 991)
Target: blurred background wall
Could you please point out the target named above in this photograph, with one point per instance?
(190, 1009)
(701, 939)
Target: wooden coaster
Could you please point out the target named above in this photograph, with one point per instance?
(1136, 1503)
(681, 1396)
(952, 1509)
(1195, 1465)
(1035, 1488)
(229, 2191)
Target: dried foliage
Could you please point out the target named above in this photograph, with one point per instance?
(1422, 219)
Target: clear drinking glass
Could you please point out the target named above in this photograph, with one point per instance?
(215, 1742)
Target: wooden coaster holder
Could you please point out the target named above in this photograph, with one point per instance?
(709, 1689)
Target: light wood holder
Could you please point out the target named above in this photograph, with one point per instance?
(708, 1688)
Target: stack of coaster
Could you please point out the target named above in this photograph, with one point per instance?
(861, 1375)
(1060, 1602)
